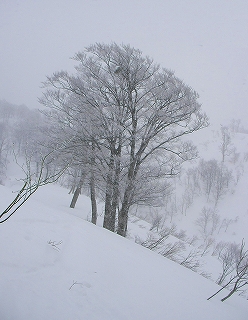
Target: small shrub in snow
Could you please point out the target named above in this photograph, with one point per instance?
(55, 244)
(191, 260)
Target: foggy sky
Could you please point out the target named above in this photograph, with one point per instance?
(204, 41)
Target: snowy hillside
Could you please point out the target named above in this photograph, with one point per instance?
(55, 265)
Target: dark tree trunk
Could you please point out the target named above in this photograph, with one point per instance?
(75, 196)
(128, 195)
(112, 189)
(132, 171)
(122, 221)
(115, 197)
(93, 186)
(232, 291)
(123, 213)
(108, 197)
(93, 199)
(221, 289)
(229, 295)
(77, 192)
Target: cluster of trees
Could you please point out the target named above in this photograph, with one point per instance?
(210, 179)
(17, 125)
(215, 179)
(117, 128)
(190, 251)
(122, 120)
(117, 124)
(22, 140)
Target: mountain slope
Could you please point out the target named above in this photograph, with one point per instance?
(57, 266)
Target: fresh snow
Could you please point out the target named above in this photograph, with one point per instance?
(55, 265)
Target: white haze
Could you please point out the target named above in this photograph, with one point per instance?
(204, 42)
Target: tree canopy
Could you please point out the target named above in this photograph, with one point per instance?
(131, 115)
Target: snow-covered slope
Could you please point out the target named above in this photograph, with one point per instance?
(55, 265)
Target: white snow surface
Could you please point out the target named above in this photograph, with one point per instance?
(55, 265)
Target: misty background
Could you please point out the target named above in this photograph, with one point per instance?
(204, 42)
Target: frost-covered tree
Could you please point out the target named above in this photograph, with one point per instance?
(225, 145)
(222, 183)
(135, 112)
(215, 179)
(208, 171)
(207, 222)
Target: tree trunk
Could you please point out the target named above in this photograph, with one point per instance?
(123, 214)
(93, 186)
(228, 296)
(221, 288)
(122, 221)
(77, 192)
(108, 197)
(115, 196)
(232, 291)
(93, 199)
(75, 196)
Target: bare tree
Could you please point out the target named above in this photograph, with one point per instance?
(207, 222)
(208, 171)
(191, 260)
(155, 242)
(186, 201)
(239, 264)
(222, 183)
(32, 182)
(228, 258)
(171, 209)
(158, 220)
(140, 113)
(208, 243)
(173, 250)
(226, 144)
(226, 223)
(219, 247)
(215, 179)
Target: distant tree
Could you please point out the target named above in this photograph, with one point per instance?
(207, 170)
(186, 200)
(215, 179)
(171, 209)
(5, 147)
(226, 143)
(157, 221)
(207, 222)
(134, 111)
(222, 182)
